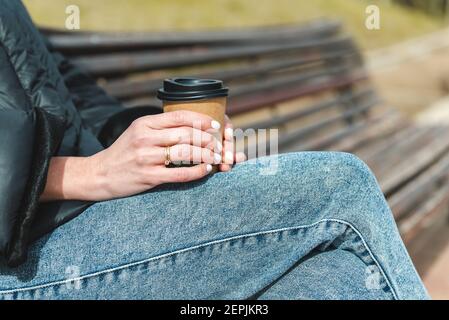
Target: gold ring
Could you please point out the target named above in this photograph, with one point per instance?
(167, 156)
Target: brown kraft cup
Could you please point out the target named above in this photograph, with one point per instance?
(206, 96)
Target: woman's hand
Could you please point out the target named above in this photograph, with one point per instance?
(135, 161)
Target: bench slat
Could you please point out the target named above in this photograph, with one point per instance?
(395, 155)
(414, 164)
(388, 124)
(115, 64)
(422, 217)
(310, 110)
(406, 200)
(100, 42)
(358, 131)
(283, 93)
(380, 146)
(124, 88)
(286, 141)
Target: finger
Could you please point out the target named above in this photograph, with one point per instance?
(224, 167)
(240, 157)
(181, 118)
(186, 135)
(185, 174)
(228, 129)
(188, 154)
(228, 151)
(228, 146)
(227, 119)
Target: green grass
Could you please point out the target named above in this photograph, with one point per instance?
(397, 23)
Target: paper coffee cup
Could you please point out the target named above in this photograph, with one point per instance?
(206, 96)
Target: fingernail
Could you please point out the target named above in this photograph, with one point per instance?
(229, 156)
(219, 147)
(217, 158)
(240, 156)
(215, 124)
(209, 168)
(229, 132)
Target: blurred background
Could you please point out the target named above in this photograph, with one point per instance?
(402, 20)
(407, 61)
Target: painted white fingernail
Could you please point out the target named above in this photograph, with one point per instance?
(240, 156)
(215, 124)
(209, 168)
(229, 156)
(217, 158)
(229, 132)
(219, 147)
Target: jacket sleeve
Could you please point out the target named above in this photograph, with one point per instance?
(28, 140)
(32, 125)
(93, 104)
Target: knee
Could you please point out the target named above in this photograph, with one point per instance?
(331, 168)
(347, 166)
(350, 175)
(332, 175)
(312, 177)
(310, 186)
(351, 189)
(354, 194)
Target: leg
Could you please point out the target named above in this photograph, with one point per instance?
(229, 236)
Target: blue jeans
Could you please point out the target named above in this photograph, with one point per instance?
(293, 226)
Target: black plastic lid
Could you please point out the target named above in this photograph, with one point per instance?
(185, 89)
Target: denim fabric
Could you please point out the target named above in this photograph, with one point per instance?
(294, 226)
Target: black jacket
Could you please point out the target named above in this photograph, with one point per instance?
(48, 107)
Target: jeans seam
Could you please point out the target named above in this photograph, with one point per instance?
(192, 248)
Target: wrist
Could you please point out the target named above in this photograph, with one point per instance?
(94, 183)
(74, 178)
(81, 179)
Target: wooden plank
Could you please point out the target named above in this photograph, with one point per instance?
(395, 154)
(116, 64)
(126, 89)
(321, 143)
(280, 120)
(414, 164)
(291, 139)
(263, 94)
(95, 42)
(423, 216)
(331, 140)
(420, 189)
(381, 146)
(387, 124)
(269, 92)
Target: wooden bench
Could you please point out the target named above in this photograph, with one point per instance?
(308, 81)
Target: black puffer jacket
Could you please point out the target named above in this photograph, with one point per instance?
(48, 107)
